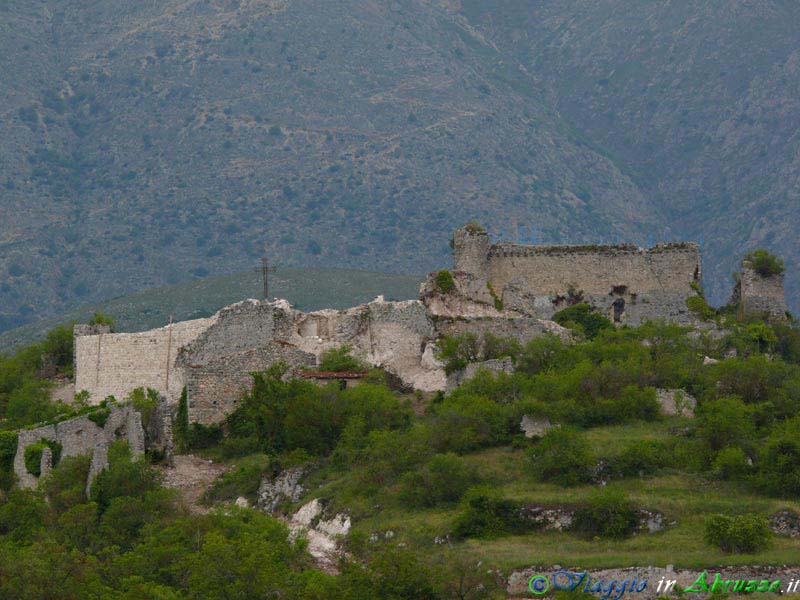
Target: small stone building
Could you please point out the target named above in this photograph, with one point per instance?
(344, 379)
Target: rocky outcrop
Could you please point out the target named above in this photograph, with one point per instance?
(323, 534)
(535, 427)
(676, 402)
(285, 488)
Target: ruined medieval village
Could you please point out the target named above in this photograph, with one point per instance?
(504, 289)
(145, 391)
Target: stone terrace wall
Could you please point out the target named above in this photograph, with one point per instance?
(550, 270)
(114, 364)
(82, 436)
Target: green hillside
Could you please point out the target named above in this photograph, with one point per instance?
(306, 288)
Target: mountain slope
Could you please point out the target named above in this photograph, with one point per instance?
(146, 144)
(160, 142)
(698, 102)
(307, 289)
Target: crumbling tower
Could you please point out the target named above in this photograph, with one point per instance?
(471, 247)
(758, 293)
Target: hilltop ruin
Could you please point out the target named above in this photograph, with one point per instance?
(505, 289)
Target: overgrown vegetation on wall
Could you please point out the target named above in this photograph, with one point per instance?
(765, 263)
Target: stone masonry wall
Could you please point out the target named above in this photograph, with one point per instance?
(114, 364)
(551, 270)
(214, 389)
(627, 283)
(82, 436)
(762, 294)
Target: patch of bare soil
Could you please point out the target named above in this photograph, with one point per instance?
(192, 476)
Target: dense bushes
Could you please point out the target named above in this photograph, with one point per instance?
(562, 457)
(583, 318)
(607, 514)
(279, 416)
(445, 478)
(743, 534)
(485, 514)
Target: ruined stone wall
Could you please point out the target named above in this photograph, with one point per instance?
(215, 388)
(628, 283)
(82, 436)
(114, 364)
(595, 270)
(762, 294)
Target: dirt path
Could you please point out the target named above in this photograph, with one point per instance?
(192, 476)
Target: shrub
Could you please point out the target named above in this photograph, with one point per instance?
(607, 514)
(778, 466)
(8, 449)
(102, 319)
(33, 456)
(731, 463)
(99, 416)
(498, 303)
(485, 514)
(561, 456)
(445, 281)
(765, 263)
(243, 481)
(204, 436)
(464, 422)
(743, 534)
(700, 308)
(65, 487)
(146, 402)
(725, 422)
(124, 477)
(458, 351)
(582, 317)
(340, 359)
(22, 514)
(445, 478)
(641, 459)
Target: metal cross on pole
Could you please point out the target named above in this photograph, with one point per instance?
(265, 270)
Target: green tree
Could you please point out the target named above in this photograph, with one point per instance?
(765, 263)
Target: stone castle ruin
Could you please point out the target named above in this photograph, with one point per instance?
(756, 293)
(627, 283)
(505, 289)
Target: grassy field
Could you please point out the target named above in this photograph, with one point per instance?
(687, 500)
(306, 288)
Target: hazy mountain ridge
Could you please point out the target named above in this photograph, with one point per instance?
(151, 144)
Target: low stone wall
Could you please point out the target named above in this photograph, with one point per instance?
(518, 581)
